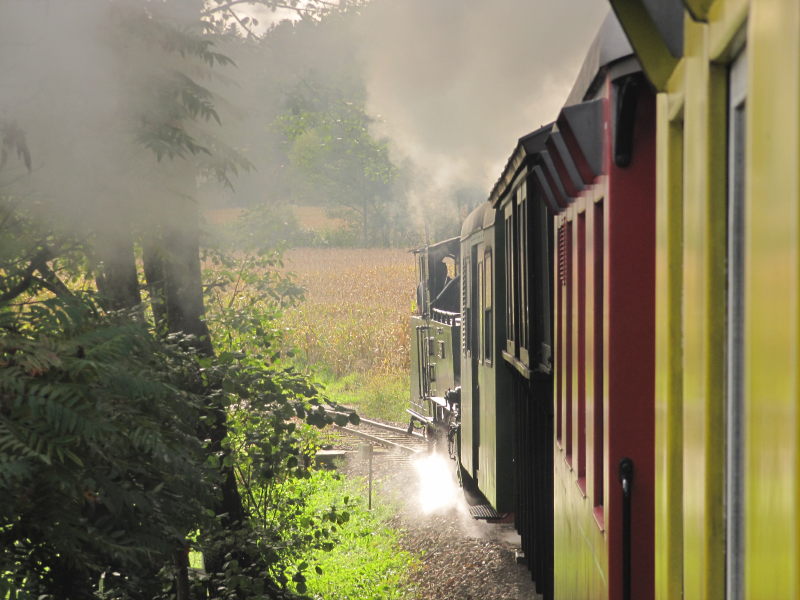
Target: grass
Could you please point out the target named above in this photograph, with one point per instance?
(366, 562)
(352, 333)
(380, 395)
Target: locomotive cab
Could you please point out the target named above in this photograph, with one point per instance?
(435, 332)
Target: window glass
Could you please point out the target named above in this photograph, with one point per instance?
(735, 461)
(522, 277)
(510, 262)
(488, 336)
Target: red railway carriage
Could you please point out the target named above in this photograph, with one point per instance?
(603, 262)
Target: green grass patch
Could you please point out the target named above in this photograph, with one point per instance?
(374, 396)
(366, 561)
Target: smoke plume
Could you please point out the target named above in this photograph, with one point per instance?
(457, 82)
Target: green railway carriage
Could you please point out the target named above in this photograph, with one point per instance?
(526, 216)
(486, 409)
(727, 445)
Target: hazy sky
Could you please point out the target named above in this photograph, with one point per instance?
(456, 82)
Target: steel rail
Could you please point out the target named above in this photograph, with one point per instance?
(378, 440)
(393, 428)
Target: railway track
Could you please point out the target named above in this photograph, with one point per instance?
(396, 440)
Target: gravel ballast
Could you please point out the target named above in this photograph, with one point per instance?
(460, 558)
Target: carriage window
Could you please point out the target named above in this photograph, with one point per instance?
(522, 279)
(539, 312)
(488, 338)
(735, 460)
(466, 310)
(479, 325)
(510, 262)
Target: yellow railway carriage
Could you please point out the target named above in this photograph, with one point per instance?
(727, 448)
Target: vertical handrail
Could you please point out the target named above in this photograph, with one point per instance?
(424, 360)
(420, 367)
(626, 479)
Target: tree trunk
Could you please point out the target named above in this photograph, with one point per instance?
(154, 275)
(183, 286)
(181, 558)
(178, 256)
(117, 279)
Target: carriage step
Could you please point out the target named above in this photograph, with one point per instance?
(484, 511)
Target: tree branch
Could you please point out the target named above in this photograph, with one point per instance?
(230, 3)
(39, 259)
(49, 280)
(241, 23)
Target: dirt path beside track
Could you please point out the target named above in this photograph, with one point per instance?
(461, 558)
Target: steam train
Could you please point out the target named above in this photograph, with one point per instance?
(621, 368)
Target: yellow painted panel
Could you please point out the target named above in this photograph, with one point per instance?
(716, 292)
(699, 8)
(669, 428)
(580, 553)
(691, 262)
(772, 541)
(726, 21)
(693, 391)
(703, 319)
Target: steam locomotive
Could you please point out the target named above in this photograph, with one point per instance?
(620, 368)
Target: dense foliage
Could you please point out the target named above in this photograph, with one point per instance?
(137, 428)
(101, 468)
(366, 563)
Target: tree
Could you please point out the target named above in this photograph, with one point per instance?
(231, 15)
(330, 146)
(114, 434)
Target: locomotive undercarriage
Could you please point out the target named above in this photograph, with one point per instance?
(440, 423)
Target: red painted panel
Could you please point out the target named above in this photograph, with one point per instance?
(599, 430)
(588, 561)
(630, 275)
(569, 346)
(580, 417)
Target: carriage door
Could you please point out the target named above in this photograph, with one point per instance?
(734, 397)
(476, 327)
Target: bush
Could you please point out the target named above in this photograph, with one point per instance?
(365, 562)
(101, 468)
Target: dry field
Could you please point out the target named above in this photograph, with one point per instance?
(355, 315)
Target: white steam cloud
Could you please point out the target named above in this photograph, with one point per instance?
(456, 82)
